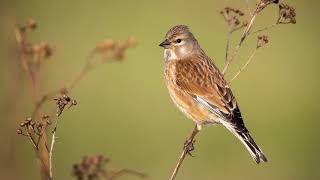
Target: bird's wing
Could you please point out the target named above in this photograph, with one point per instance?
(204, 82)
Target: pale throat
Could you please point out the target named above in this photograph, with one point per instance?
(179, 53)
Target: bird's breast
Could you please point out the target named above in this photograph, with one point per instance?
(183, 100)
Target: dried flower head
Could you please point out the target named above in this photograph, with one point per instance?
(90, 167)
(105, 45)
(61, 102)
(132, 41)
(31, 24)
(19, 131)
(287, 14)
(109, 49)
(232, 17)
(262, 40)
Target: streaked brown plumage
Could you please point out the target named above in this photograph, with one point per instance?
(198, 88)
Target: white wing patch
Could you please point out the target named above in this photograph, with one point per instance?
(215, 110)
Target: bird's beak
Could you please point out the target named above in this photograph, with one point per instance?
(165, 43)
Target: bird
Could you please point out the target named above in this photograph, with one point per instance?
(198, 88)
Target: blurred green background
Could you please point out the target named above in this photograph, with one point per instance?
(124, 109)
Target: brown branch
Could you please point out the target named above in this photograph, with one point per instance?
(188, 147)
(259, 7)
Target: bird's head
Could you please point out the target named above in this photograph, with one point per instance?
(179, 43)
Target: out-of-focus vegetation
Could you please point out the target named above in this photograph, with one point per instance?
(124, 110)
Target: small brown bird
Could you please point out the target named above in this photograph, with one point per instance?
(199, 89)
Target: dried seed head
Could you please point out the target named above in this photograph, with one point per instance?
(19, 131)
(262, 40)
(90, 167)
(48, 122)
(22, 124)
(36, 49)
(287, 14)
(232, 17)
(48, 50)
(22, 29)
(32, 123)
(108, 44)
(132, 41)
(31, 24)
(45, 116)
(74, 102)
(39, 126)
(105, 45)
(61, 102)
(118, 54)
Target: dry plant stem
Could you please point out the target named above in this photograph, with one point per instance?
(264, 29)
(84, 71)
(44, 99)
(53, 140)
(33, 75)
(248, 7)
(227, 47)
(245, 65)
(44, 157)
(243, 37)
(186, 150)
(126, 171)
(51, 150)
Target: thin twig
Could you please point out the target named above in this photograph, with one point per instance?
(188, 147)
(243, 37)
(127, 171)
(33, 142)
(248, 7)
(264, 29)
(53, 138)
(245, 65)
(227, 47)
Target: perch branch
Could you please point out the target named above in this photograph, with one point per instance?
(188, 147)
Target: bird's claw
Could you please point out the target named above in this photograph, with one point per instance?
(189, 146)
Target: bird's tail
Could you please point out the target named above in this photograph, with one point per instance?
(249, 143)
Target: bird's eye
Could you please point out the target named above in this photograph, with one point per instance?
(178, 40)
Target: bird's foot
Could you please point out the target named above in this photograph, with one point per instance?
(189, 146)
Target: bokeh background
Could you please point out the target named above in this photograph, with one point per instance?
(124, 109)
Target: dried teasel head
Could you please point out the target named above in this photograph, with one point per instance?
(262, 40)
(287, 14)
